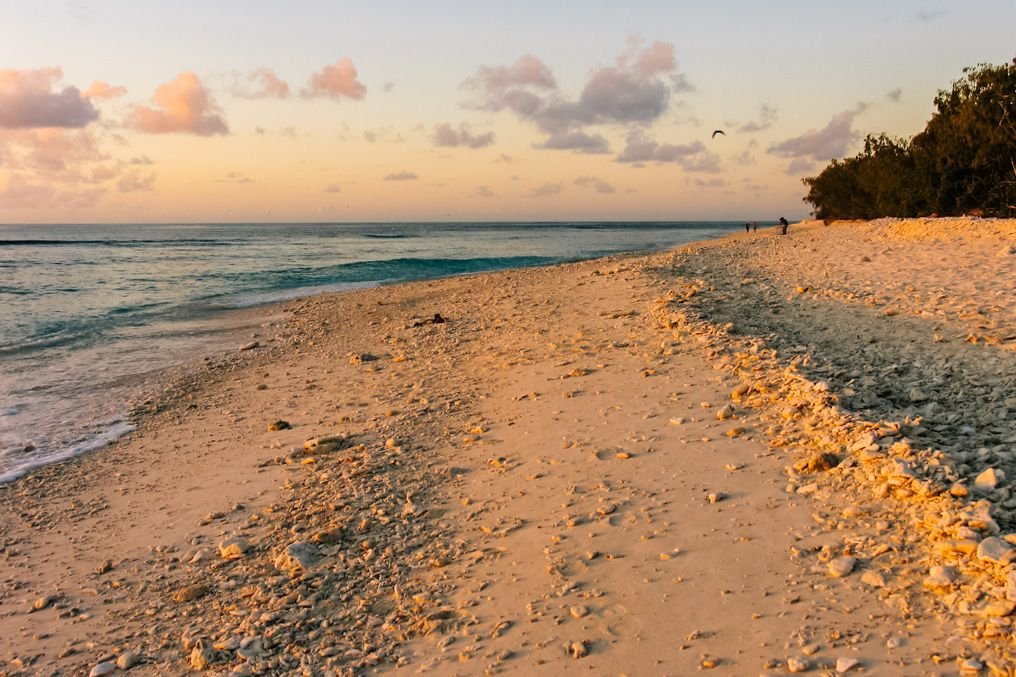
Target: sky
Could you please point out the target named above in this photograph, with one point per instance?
(250, 110)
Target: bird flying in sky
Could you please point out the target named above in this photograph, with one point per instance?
(718, 131)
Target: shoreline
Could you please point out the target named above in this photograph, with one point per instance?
(50, 443)
(450, 431)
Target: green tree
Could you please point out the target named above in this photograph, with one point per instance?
(963, 161)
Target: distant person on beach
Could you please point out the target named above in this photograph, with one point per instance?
(784, 224)
(746, 228)
(754, 226)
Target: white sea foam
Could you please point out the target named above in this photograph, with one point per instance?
(111, 434)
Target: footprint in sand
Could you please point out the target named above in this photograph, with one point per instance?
(616, 622)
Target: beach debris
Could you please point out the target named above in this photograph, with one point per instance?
(189, 593)
(102, 669)
(105, 567)
(841, 566)
(797, 664)
(846, 664)
(202, 655)
(994, 549)
(298, 557)
(578, 649)
(362, 358)
(817, 462)
(437, 319)
(990, 479)
(250, 346)
(234, 548)
(278, 425)
(43, 602)
(128, 659)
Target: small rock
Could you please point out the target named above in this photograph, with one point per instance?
(971, 666)
(989, 479)
(998, 608)
(941, 577)
(993, 549)
(873, 578)
(43, 602)
(279, 425)
(579, 611)
(103, 668)
(233, 548)
(578, 650)
(190, 593)
(299, 556)
(105, 567)
(844, 664)
(841, 566)
(798, 664)
(250, 648)
(817, 462)
(127, 660)
(249, 346)
(202, 655)
(715, 498)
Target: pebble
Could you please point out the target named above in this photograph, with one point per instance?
(103, 668)
(578, 650)
(844, 664)
(43, 602)
(127, 660)
(233, 548)
(971, 666)
(989, 479)
(798, 664)
(579, 611)
(278, 425)
(202, 655)
(940, 576)
(993, 549)
(873, 578)
(190, 593)
(841, 566)
(299, 556)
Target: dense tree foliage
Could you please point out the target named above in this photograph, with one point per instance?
(963, 162)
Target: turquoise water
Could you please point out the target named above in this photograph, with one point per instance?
(88, 312)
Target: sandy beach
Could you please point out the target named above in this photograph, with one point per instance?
(755, 455)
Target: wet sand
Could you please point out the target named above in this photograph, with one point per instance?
(756, 455)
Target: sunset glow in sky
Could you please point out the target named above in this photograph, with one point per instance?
(156, 111)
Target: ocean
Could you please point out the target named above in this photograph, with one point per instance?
(90, 313)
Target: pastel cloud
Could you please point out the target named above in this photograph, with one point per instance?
(546, 190)
(693, 157)
(336, 81)
(767, 115)
(596, 183)
(183, 105)
(450, 137)
(103, 91)
(575, 140)
(261, 83)
(136, 182)
(21, 193)
(59, 154)
(28, 99)
(822, 145)
(635, 90)
(401, 176)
